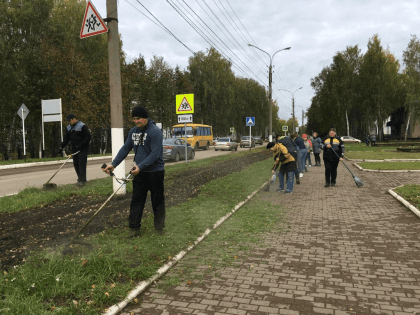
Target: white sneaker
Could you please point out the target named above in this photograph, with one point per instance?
(300, 174)
(310, 165)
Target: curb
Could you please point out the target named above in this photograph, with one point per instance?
(404, 202)
(384, 171)
(143, 285)
(22, 165)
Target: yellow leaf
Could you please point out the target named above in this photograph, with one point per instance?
(169, 257)
(93, 286)
(106, 293)
(113, 285)
(136, 301)
(189, 282)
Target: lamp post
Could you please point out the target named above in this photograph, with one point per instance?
(293, 107)
(270, 118)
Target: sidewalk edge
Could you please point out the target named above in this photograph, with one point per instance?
(404, 202)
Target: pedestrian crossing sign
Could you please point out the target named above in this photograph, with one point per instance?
(185, 104)
(250, 121)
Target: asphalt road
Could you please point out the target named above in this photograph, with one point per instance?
(13, 180)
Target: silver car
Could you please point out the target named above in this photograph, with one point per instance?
(225, 144)
(174, 149)
(247, 142)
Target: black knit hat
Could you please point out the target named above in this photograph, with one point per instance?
(70, 117)
(139, 112)
(270, 145)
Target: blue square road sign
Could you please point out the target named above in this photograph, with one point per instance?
(250, 121)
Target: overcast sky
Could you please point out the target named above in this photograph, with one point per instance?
(315, 31)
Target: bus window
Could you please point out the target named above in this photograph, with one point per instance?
(180, 131)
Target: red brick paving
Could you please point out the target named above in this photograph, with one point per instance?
(349, 250)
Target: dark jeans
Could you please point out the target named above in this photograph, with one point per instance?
(330, 171)
(142, 183)
(317, 159)
(79, 163)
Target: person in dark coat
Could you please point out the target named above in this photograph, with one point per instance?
(333, 153)
(79, 135)
(146, 140)
(316, 147)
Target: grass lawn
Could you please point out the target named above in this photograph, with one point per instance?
(89, 281)
(391, 165)
(411, 193)
(360, 151)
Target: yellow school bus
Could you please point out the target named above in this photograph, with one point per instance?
(198, 136)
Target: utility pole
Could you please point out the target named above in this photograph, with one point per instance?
(293, 107)
(293, 114)
(270, 117)
(117, 131)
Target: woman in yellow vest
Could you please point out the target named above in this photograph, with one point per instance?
(288, 165)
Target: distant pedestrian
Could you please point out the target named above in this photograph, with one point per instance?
(331, 159)
(288, 165)
(373, 139)
(316, 147)
(146, 141)
(79, 135)
(367, 140)
(308, 145)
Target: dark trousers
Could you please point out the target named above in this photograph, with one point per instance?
(79, 163)
(330, 171)
(142, 183)
(317, 159)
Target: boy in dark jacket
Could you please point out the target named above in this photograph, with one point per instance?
(146, 140)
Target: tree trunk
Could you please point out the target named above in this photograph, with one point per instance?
(407, 125)
(9, 139)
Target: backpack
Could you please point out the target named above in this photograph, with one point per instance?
(288, 143)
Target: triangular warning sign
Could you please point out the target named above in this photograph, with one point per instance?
(92, 22)
(184, 106)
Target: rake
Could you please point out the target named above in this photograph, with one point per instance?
(357, 180)
(49, 185)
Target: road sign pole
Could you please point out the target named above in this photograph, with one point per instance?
(186, 145)
(23, 129)
(250, 139)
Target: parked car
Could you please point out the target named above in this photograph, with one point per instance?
(247, 142)
(226, 144)
(174, 149)
(348, 139)
(215, 140)
(258, 140)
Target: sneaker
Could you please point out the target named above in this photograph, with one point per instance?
(134, 233)
(332, 185)
(310, 165)
(279, 189)
(80, 184)
(300, 174)
(327, 185)
(288, 192)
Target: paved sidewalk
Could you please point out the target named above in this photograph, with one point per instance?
(349, 250)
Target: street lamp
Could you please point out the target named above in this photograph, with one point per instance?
(270, 120)
(293, 107)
